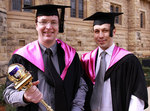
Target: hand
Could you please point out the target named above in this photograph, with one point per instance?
(33, 94)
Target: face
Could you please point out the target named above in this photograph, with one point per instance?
(47, 28)
(102, 35)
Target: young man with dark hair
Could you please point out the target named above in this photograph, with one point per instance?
(114, 75)
(54, 65)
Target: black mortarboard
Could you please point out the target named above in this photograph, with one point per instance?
(50, 9)
(103, 17)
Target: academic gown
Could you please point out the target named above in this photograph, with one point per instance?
(31, 58)
(126, 78)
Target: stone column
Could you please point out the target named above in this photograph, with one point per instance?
(3, 41)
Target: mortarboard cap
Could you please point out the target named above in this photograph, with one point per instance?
(103, 17)
(49, 10)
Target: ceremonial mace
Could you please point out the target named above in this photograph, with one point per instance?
(22, 80)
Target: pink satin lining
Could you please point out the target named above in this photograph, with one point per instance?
(88, 63)
(88, 60)
(69, 55)
(33, 54)
(118, 53)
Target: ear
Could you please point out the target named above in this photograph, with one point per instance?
(36, 22)
(114, 31)
(36, 26)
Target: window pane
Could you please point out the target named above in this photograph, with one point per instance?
(16, 5)
(111, 8)
(117, 9)
(142, 20)
(141, 16)
(73, 8)
(117, 17)
(27, 3)
(80, 8)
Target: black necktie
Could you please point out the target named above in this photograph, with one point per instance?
(98, 87)
(49, 52)
(48, 65)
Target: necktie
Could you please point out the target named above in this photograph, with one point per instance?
(98, 87)
(49, 52)
(49, 64)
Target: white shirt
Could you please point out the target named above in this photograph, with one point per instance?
(136, 104)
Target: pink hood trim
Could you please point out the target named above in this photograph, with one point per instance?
(88, 60)
(33, 54)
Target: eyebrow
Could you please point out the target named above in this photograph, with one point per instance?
(101, 28)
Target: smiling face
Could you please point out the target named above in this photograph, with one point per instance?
(47, 28)
(102, 35)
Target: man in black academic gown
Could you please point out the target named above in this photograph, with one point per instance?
(54, 65)
(114, 75)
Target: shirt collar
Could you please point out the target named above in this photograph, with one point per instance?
(109, 50)
(53, 48)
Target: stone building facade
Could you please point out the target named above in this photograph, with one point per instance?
(17, 28)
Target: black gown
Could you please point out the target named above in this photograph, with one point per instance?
(126, 78)
(70, 84)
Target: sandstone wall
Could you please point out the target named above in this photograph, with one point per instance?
(3, 39)
(139, 37)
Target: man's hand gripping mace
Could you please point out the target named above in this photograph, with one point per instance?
(22, 80)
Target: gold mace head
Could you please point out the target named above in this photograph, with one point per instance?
(19, 76)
